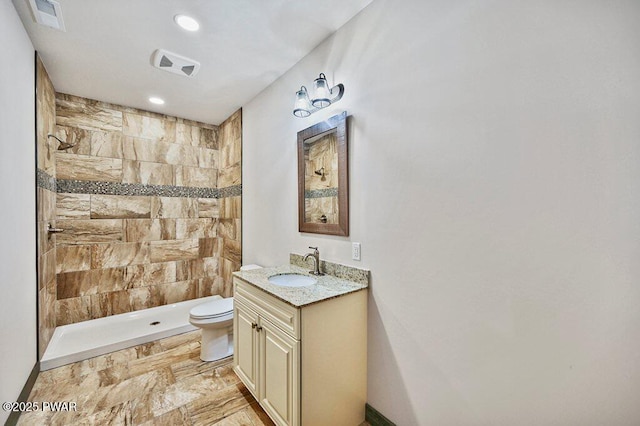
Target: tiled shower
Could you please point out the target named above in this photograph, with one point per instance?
(149, 205)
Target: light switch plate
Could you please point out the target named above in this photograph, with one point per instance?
(355, 251)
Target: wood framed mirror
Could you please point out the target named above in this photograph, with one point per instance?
(323, 177)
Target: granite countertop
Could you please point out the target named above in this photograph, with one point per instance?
(327, 287)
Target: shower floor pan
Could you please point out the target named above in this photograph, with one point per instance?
(88, 339)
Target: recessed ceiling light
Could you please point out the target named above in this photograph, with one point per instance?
(187, 22)
(155, 100)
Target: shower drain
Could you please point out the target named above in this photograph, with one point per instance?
(154, 323)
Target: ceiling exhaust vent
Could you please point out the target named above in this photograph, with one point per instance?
(48, 13)
(177, 64)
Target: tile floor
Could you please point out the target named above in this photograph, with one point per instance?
(158, 383)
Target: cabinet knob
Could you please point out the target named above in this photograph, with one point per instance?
(258, 329)
(254, 325)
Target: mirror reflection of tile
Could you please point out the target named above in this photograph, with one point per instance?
(321, 180)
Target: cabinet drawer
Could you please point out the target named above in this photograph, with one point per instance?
(278, 312)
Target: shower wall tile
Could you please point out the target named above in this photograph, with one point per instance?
(209, 247)
(119, 206)
(164, 251)
(112, 303)
(208, 207)
(227, 267)
(210, 286)
(148, 173)
(209, 138)
(232, 250)
(140, 126)
(196, 176)
(174, 207)
(106, 144)
(126, 252)
(89, 231)
(205, 158)
(186, 134)
(158, 152)
(87, 115)
(73, 206)
(79, 138)
(140, 298)
(45, 205)
(46, 314)
(120, 254)
(164, 294)
(75, 284)
(196, 228)
(108, 280)
(84, 167)
(230, 176)
(210, 265)
(45, 241)
(45, 120)
(47, 268)
(73, 258)
(133, 276)
(149, 229)
(160, 273)
(69, 311)
(229, 229)
(189, 269)
(230, 207)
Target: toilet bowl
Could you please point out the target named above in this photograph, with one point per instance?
(215, 319)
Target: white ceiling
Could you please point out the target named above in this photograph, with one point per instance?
(242, 46)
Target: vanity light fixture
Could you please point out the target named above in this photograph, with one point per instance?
(186, 22)
(323, 96)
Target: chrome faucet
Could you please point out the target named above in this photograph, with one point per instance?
(316, 264)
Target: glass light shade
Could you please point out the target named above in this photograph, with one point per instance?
(302, 107)
(322, 97)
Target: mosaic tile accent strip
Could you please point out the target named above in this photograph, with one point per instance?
(45, 181)
(320, 193)
(230, 191)
(67, 186)
(344, 272)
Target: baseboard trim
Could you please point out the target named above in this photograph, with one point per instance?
(375, 418)
(24, 395)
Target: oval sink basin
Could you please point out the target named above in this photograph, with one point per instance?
(292, 280)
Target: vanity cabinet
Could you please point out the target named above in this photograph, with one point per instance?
(304, 365)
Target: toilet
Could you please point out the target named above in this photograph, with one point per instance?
(215, 319)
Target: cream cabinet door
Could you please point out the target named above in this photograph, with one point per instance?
(245, 358)
(279, 374)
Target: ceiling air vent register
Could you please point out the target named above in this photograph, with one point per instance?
(48, 13)
(177, 64)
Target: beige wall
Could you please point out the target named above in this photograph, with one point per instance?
(18, 285)
(495, 188)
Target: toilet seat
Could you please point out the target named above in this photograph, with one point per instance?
(211, 310)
